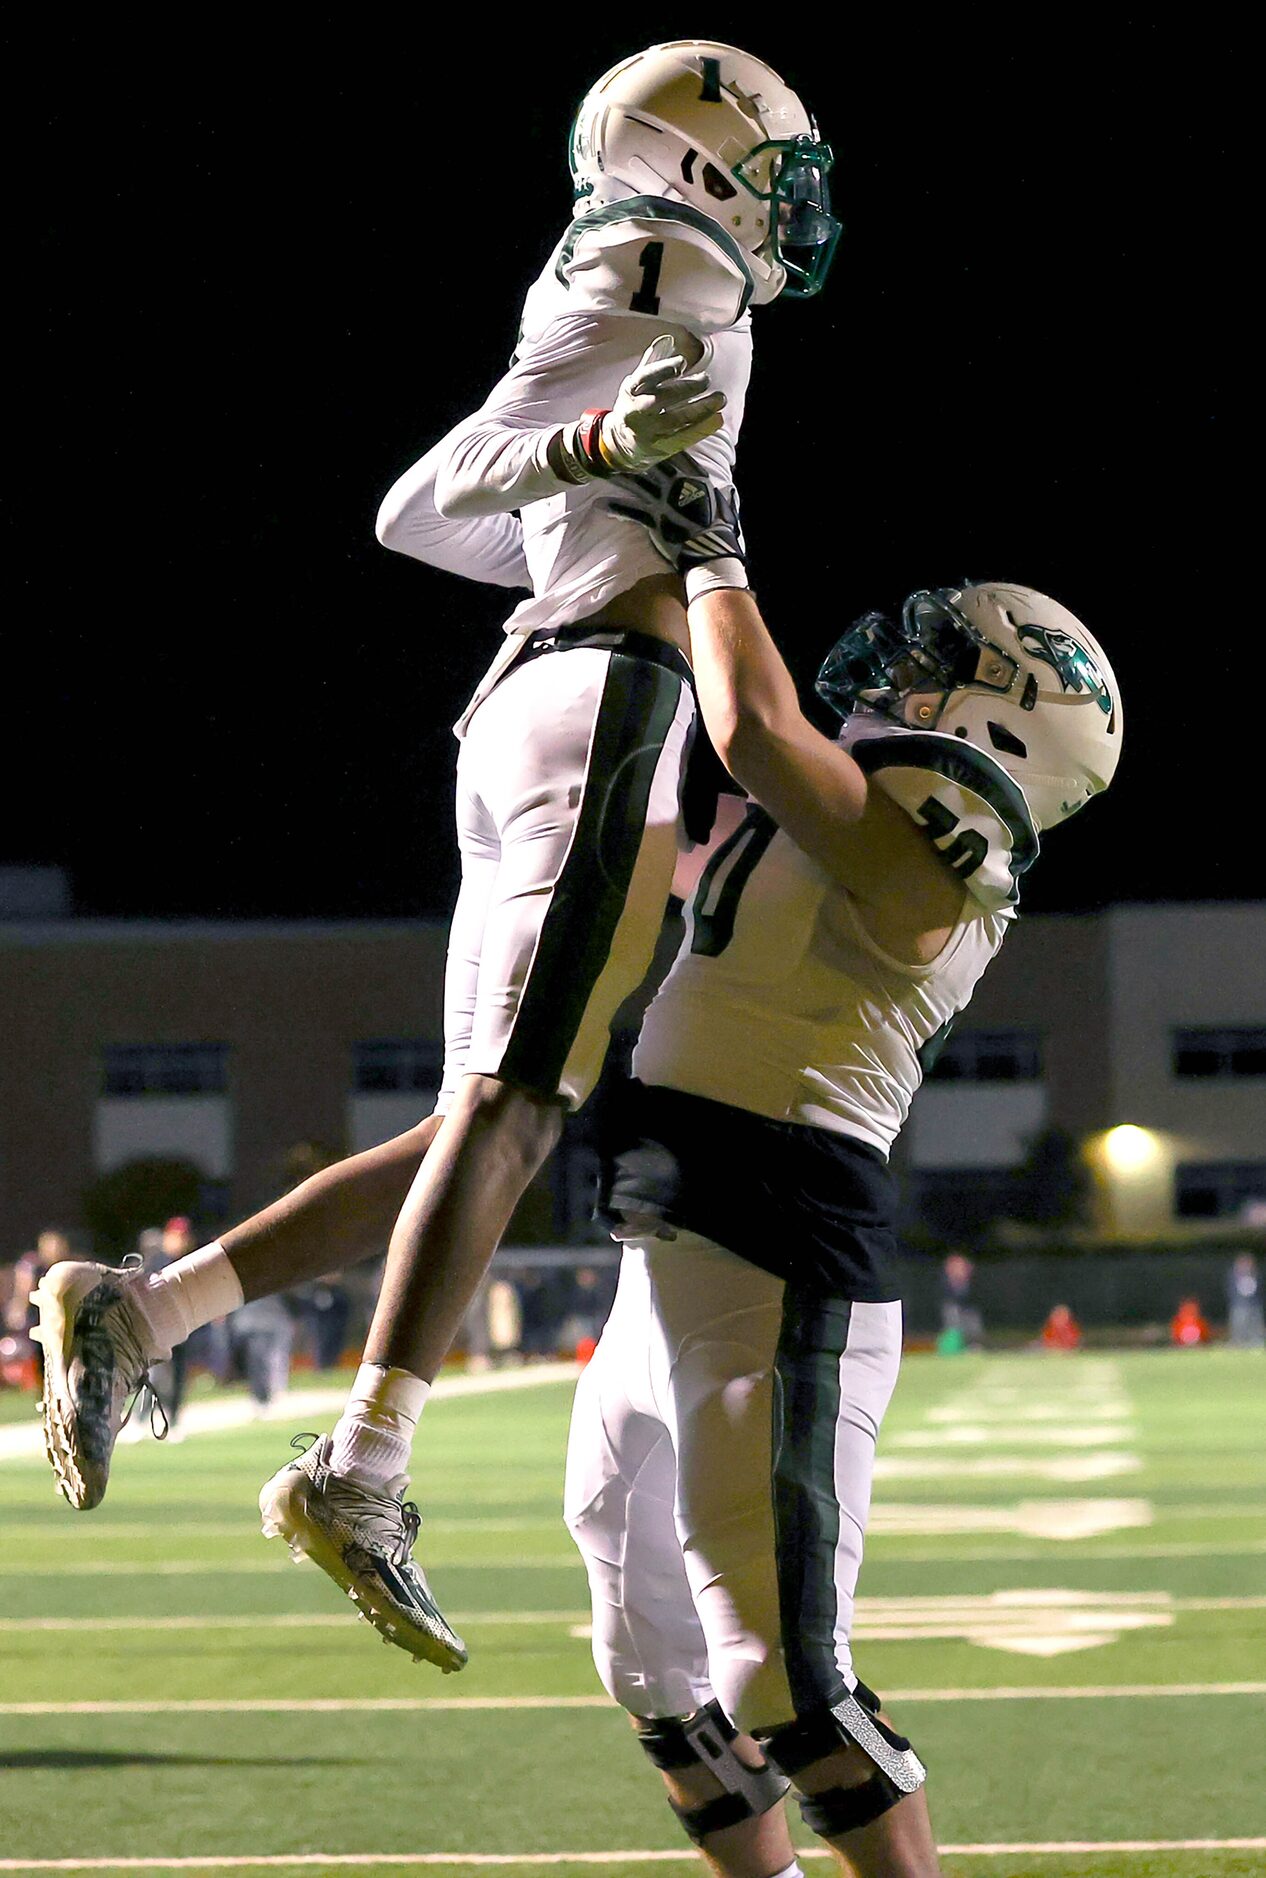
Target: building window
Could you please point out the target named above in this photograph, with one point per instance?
(1218, 1189)
(1229, 1052)
(164, 1069)
(396, 1066)
(990, 1056)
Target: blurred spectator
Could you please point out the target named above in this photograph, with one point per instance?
(13, 1294)
(538, 1313)
(26, 1358)
(208, 1347)
(1187, 1325)
(51, 1248)
(583, 1299)
(1061, 1331)
(160, 1401)
(325, 1308)
(961, 1324)
(261, 1334)
(505, 1319)
(1245, 1317)
(475, 1336)
(18, 1355)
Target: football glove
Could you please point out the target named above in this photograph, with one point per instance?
(689, 520)
(662, 407)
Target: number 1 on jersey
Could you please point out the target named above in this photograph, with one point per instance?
(650, 260)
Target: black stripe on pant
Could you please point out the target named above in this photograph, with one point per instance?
(812, 1339)
(639, 702)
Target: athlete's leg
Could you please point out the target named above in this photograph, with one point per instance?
(567, 797)
(755, 1373)
(492, 1141)
(568, 784)
(104, 1327)
(648, 1645)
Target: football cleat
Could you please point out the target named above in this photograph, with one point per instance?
(96, 1361)
(363, 1540)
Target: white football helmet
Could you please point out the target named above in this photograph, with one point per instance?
(706, 124)
(1004, 667)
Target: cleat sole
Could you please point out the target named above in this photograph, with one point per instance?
(284, 1515)
(58, 1293)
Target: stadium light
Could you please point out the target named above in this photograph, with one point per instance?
(1128, 1149)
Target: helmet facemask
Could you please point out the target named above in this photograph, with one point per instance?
(1004, 667)
(790, 174)
(908, 671)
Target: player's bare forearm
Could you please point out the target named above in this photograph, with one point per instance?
(808, 784)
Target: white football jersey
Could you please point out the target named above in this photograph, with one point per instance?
(780, 1002)
(620, 276)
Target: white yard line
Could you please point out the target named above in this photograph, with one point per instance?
(1071, 1848)
(339, 1705)
(60, 1527)
(282, 1620)
(910, 1610)
(21, 1439)
(201, 1568)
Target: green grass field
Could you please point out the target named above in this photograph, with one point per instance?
(1064, 1602)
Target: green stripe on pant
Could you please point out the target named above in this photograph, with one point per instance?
(812, 1339)
(636, 712)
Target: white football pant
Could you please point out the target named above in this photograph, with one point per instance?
(718, 1483)
(568, 786)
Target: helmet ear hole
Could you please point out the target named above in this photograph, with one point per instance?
(719, 187)
(1003, 739)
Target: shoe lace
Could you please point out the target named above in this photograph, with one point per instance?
(131, 1355)
(383, 1521)
(146, 1391)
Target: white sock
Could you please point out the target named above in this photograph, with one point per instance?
(186, 1294)
(793, 1870)
(374, 1434)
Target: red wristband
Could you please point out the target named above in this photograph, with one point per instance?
(587, 442)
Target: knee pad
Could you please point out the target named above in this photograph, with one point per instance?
(853, 1721)
(703, 1740)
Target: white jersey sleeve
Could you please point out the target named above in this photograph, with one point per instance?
(620, 277)
(974, 813)
(488, 548)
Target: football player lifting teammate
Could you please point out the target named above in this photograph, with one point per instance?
(700, 192)
(723, 1436)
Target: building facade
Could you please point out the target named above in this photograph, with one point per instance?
(1138, 1034)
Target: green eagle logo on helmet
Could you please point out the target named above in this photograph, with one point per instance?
(1071, 663)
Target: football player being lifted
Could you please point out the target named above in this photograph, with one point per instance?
(723, 1436)
(700, 192)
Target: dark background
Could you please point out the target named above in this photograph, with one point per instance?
(258, 272)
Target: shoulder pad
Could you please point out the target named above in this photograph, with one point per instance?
(646, 255)
(974, 813)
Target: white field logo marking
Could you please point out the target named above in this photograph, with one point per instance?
(1027, 1623)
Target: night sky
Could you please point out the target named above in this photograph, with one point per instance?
(257, 277)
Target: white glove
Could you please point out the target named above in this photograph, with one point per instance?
(662, 407)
